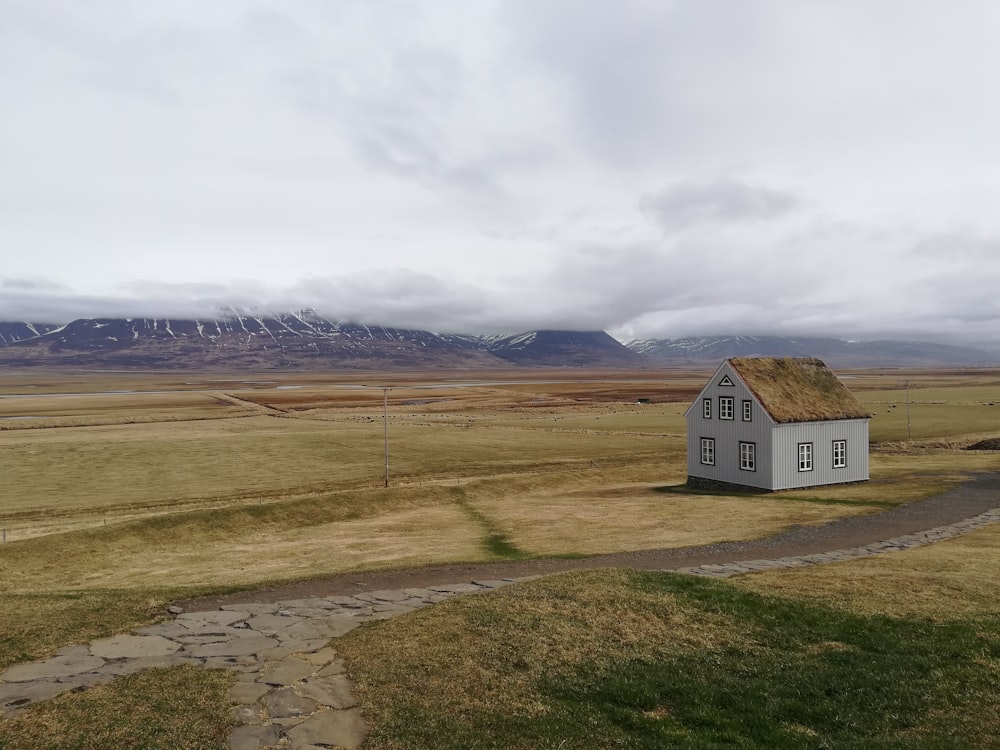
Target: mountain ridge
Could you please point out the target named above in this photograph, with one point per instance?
(835, 352)
(241, 339)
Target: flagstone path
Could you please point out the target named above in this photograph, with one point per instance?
(292, 690)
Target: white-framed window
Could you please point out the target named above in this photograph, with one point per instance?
(805, 456)
(839, 454)
(747, 410)
(725, 407)
(708, 451)
(706, 408)
(748, 456)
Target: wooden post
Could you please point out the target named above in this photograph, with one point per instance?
(385, 429)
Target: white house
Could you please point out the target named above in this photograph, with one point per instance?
(776, 424)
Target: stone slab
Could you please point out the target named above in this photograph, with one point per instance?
(333, 691)
(343, 729)
(247, 692)
(322, 657)
(334, 627)
(250, 737)
(133, 647)
(251, 608)
(16, 695)
(288, 671)
(285, 703)
(235, 647)
(59, 666)
(213, 617)
(271, 624)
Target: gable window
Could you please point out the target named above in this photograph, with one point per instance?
(708, 451)
(726, 380)
(805, 456)
(839, 454)
(706, 408)
(725, 407)
(747, 410)
(748, 456)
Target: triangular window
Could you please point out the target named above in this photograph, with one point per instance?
(726, 380)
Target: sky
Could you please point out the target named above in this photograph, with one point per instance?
(653, 168)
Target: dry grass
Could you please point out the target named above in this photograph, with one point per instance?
(526, 467)
(609, 519)
(238, 546)
(956, 579)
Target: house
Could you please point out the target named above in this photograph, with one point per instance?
(776, 424)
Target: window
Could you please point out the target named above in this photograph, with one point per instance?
(726, 380)
(725, 407)
(805, 456)
(839, 454)
(748, 456)
(706, 408)
(708, 451)
(747, 410)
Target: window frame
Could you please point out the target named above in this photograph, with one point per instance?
(708, 449)
(748, 456)
(706, 408)
(840, 461)
(805, 457)
(727, 406)
(747, 410)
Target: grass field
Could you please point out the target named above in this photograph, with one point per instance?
(115, 503)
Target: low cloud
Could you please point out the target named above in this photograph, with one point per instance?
(723, 201)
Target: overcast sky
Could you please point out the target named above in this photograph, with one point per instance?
(652, 168)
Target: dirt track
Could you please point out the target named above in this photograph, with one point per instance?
(978, 495)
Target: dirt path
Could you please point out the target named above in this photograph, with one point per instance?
(978, 495)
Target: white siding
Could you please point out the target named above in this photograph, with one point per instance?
(821, 434)
(728, 433)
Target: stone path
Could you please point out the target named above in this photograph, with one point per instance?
(293, 691)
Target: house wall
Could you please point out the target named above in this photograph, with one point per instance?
(729, 433)
(787, 437)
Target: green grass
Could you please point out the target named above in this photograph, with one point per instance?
(495, 542)
(634, 660)
(157, 709)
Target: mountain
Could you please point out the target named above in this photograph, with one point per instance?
(564, 349)
(303, 340)
(11, 332)
(241, 340)
(835, 352)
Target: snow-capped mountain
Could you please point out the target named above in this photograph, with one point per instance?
(240, 339)
(563, 348)
(835, 352)
(19, 331)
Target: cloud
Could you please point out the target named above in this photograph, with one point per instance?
(722, 201)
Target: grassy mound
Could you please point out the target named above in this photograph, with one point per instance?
(616, 659)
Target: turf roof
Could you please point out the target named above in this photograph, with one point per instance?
(797, 390)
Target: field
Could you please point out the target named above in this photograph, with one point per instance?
(123, 491)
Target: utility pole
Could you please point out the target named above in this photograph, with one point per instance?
(909, 434)
(385, 429)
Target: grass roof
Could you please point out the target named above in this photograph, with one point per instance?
(798, 390)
